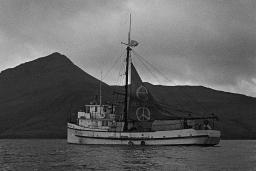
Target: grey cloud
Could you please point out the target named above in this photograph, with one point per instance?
(196, 42)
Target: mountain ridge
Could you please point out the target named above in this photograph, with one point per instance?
(38, 97)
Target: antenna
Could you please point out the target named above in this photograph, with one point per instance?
(129, 33)
(130, 43)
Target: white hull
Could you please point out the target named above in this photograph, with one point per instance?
(80, 135)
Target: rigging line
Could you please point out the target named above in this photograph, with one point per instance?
(138, 56)
(169, 113)
(172, 108)
(145, 65)
(119, 77)
(121, 74)
(195, 100)
(159, 82)
(115, 62)
(152, 67)
(147, 68)
(163, 75)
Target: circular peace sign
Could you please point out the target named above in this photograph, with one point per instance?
(142, 93)
(143, 113)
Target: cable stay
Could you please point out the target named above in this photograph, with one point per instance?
(113, 65)
(154, 71)
(148, 69)
(149, 65)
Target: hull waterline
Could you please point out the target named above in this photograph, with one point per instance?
(79, 135)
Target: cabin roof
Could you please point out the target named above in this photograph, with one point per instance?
(99, 105)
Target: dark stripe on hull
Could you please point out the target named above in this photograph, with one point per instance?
(109, 131)
(141, 139)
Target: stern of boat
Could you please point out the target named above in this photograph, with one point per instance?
(213, 137)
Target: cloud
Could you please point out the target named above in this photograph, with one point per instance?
(201, 42)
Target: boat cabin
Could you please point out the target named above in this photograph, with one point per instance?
(101, 117)
(105, 118)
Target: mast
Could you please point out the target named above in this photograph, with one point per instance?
(126, 79)
(100, 88)
(100, 91)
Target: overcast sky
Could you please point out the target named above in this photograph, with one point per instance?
(200, 42)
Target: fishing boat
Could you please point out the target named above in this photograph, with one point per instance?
(143, 121)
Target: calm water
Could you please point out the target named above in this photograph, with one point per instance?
(58, 155)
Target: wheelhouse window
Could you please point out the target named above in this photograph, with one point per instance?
(87, 109)
(105, 109)
(104, 123)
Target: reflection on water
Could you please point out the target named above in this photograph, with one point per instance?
(58, 155)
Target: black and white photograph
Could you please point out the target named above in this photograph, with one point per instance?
(128, 85)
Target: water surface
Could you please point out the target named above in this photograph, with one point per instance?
(42, 154)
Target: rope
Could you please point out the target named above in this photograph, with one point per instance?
(161, 74)
(153, 67)
(147, 68)
(112, 66)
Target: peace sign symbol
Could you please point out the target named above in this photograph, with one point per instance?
(142, 93)
(143, 113)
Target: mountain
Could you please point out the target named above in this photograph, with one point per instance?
(236, 112)
(37, 98)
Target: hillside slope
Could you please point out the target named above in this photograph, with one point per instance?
(37, 97)
(236, 113)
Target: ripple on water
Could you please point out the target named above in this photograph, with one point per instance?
(58, 155)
